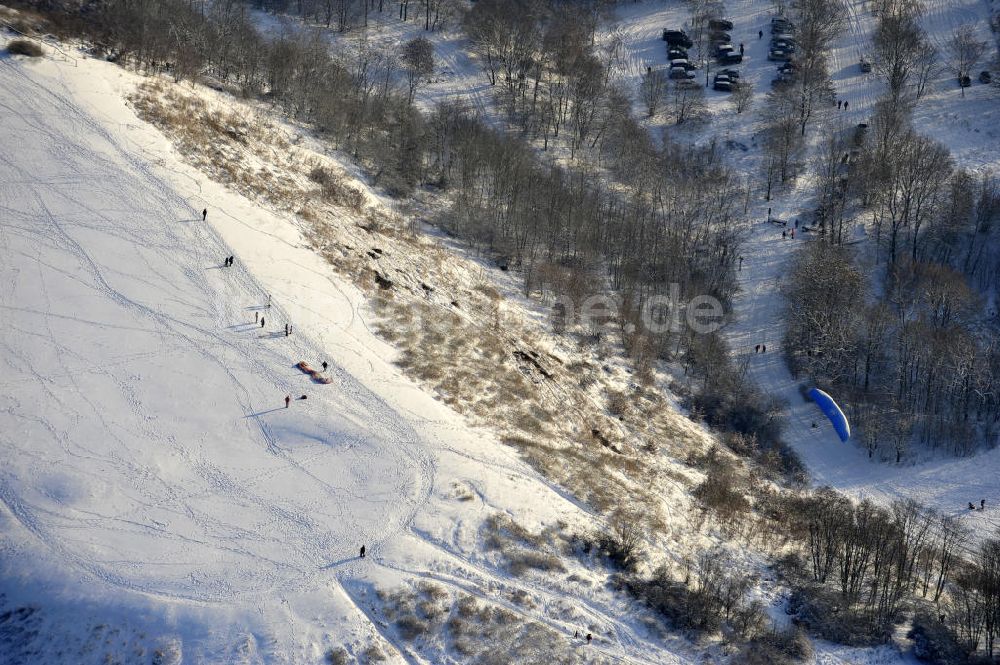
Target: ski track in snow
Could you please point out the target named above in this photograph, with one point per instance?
(107, 250)
(145, 441)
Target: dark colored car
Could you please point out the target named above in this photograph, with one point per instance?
(677, 38)
(732, 58)
(720, 24)
(722, 84)
(674, 52)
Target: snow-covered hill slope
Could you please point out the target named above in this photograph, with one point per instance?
(159, 502)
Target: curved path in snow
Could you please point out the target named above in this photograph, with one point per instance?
(142, 419)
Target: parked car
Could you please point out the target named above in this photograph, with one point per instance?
(675, 52)
(720, 37)
(780, 55)
(682, 62)
(731, 58)
(720, 24)
(784, 44)
(677, 38)
(733, 74)
(985, 77)
(781, 25)
(680, 73)
(722, 84)
(723, 49)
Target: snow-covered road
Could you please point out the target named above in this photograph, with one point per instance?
(235, 494)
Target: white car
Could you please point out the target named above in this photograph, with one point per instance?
(680, 73)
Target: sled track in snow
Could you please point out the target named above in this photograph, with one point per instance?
(109, 169)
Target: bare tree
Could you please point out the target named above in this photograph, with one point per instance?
(687, 101)
(652, 90)
(966, 51)
(742, 96)
(418, 63)
(899, 44)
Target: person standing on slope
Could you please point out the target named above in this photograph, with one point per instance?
(288, 399)
(204, 214)
(262, 322)
(362, 555)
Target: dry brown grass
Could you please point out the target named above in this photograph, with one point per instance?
(25, 47)
(468, 351)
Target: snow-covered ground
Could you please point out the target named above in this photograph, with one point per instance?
(968, 126)
(154, 490)
(156, 493)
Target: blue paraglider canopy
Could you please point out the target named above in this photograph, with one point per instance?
(833, 412)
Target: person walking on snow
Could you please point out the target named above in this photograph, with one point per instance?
(763, 348)
(204, 214)
(286, 330)
(256, 317)
(362, 556)
(793, 234)
(756, 349)
(840, 103)
(231, 259)
(982, 504)
(845, 104)
(741, 48)
(262, 322)
(784, 234)
(760, 34)
(269, 301)
(287, 400)
(324, 365)
(741, 263)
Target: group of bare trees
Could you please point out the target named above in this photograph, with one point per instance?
(794, 104)
(882, 561)
(915, 365)
(877, 559)
(903, 54)
(910, 351)
(345, 14)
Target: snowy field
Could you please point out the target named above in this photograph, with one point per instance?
(152, 479)
(155, 485)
